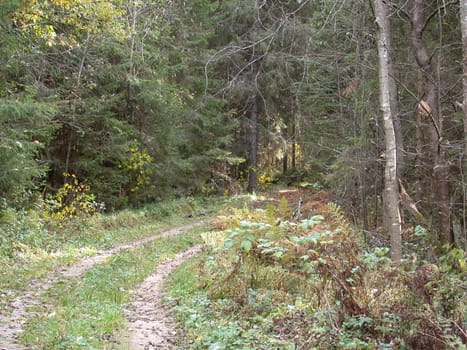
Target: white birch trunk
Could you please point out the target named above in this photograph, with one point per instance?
(463, 7)
(391, 187)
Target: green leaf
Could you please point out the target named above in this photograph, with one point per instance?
(228, 243)
(217, 346)
(246, 224)
(246, 245)
(420, 231)
(311, 222)
(279, 254)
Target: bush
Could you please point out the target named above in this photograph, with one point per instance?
(320, 287)
(71, 200)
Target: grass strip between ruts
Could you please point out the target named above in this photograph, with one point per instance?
(42, 251)
(88, 312)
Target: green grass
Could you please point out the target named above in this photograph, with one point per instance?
(216, 324)
(87, 313)
(30, 248)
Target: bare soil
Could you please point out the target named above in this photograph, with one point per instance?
(149, 321)
(14, 317)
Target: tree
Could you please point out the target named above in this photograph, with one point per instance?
(429, 108)
(72, 40)
(253, 134)
(391, 192)
(202, 156)
(26, 116)
(259, 54)
(463, 14)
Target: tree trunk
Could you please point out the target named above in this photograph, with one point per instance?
(463, 6)
(393, 100)
(252, 172)
(429, 108)
(420, 142)
(285, 135)
(294, 145)
(391, 189)
(285, 161)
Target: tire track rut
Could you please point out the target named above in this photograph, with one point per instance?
(13, 319)
(149, 321)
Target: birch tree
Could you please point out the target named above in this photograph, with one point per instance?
(391, 193)
(463, 7)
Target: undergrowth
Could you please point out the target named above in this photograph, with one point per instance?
(271, 282)
(214, 324)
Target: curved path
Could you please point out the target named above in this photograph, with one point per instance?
(13, 320)
(149, 321)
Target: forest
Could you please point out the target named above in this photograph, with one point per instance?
(316, 149)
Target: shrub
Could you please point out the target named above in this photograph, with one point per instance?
(72, 199)
(334, 291)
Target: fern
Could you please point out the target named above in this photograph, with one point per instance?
(338, 217)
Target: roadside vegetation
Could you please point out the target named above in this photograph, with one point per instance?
(275, 280)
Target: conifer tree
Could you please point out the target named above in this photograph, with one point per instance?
(26, 112)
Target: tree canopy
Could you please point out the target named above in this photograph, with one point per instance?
(144, 99)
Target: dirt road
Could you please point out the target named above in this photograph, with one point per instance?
(13, 319)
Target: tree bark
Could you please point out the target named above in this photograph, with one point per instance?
(440, 171)
(285, 161)
(393, 100)
(463, 7)
(294, 145)
(391, 189)
(252, 172)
